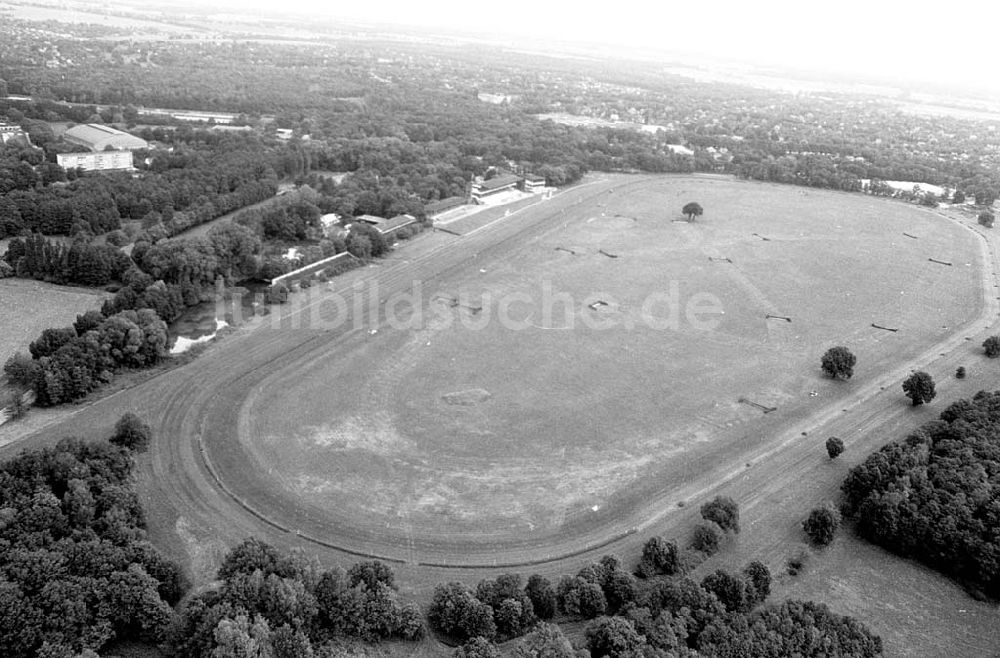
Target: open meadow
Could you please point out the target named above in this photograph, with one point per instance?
(27, 307)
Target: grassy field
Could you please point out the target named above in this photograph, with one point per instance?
(27, 307)
(553, 421)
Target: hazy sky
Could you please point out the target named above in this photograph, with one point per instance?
(946, 40)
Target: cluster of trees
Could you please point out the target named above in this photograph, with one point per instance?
(83, 207)
(723, 616)
(202, 176)
(721, 516)
(130, 329)
(78, 263)
(497, 609)
(286, 606)
(195, 263)
(935, 496)
(76, 569)
(295, 220)
(68, 363)
(662, 613)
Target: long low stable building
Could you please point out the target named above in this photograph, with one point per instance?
(435, 208)
(102, 161)
(387, 226)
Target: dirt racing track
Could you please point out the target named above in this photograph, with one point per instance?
(207, 480)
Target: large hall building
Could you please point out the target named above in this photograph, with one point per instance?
(110, 148)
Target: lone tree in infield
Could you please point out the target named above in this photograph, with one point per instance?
(834, 446)
(692, 210)
(838, 362)
(992, 346)
(919, 387)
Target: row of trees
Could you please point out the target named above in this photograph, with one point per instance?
(838, 362)
(78, 263)
(724, 615)
(658, 611)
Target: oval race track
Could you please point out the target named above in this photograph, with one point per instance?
(199, 471)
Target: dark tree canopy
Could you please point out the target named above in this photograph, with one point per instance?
(794, 628)
(659, 556)
(724, 511)
(614, 637)
(730, 589)
(838, 362)
(834, 447)
(546, 641)
(986, 218)
(132, 432)
(992, 346)
(76, 569)
(821, 525)
(935, 496)
(692, 210)
(919, 387)
(477, 647)
(542, 595)
(456, 612)
(707, 537)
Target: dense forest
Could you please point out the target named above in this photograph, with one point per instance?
(76, 569)
(935, 496)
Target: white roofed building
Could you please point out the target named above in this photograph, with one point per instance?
(97, 137)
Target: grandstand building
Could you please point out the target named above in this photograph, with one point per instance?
(100, 138)
(533, 183)
(494, 186)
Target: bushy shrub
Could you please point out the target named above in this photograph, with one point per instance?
(117, 238)
(707, 538)
(724, 511)
(659, 556)
(821, 525)
(21, 370)
(132, 433)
